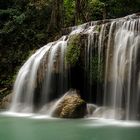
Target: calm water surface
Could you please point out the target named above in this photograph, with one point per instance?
(31, 128)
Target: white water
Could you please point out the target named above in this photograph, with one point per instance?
(52, 60)
(115, 44)
(26, 80)
(28, 70)
(123, 89)
(121, 70)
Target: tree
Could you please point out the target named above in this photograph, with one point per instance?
(56, 22)
(81, 14)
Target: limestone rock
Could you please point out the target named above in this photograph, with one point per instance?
(71, 106)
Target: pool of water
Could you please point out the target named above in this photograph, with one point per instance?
(41, 128)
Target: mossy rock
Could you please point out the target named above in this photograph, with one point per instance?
(73, 50)
(72, 106)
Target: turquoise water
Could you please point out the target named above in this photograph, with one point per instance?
(28, 128)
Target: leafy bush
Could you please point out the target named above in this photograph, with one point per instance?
(96, 9)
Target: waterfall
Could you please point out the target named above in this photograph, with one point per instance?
(109, 57)
(28, 71)
(26, 82)
(122, 89)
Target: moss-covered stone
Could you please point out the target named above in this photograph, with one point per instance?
(98, 28)
(96, 69)
(72, 106)
(73, 50)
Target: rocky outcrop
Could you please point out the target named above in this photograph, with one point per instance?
(71, 106)
(5, 103)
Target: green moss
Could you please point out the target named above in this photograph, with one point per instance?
(82, 101)
(96, 69)
(73, 50)
(98, 28)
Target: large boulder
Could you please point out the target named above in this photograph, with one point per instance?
(6, 101)
(70, 106)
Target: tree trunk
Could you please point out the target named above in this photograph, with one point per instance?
(80, 11)
(56, 22)
(104, 13)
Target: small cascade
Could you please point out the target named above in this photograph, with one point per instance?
(109, 62)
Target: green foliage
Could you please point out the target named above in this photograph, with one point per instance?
(19, 19)
(98, 28)
(119, 8)
(69, 11)
(73, 50)
(96, 9)
(23, 28)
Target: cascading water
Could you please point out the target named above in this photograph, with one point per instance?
(26, 82)
(26, 88)
(111, 69)
(124, 68)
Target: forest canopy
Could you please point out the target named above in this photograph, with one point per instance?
(26, 25)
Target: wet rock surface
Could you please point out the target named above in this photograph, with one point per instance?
(109, 113)
(71, 106)
(91, 108)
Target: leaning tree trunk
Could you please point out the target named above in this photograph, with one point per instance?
(80, 11)
(56, 22)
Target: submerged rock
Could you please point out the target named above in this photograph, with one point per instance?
(91, 108)
(71, 106)
(109, 113)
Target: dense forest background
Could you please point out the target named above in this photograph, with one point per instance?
(26, 25)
